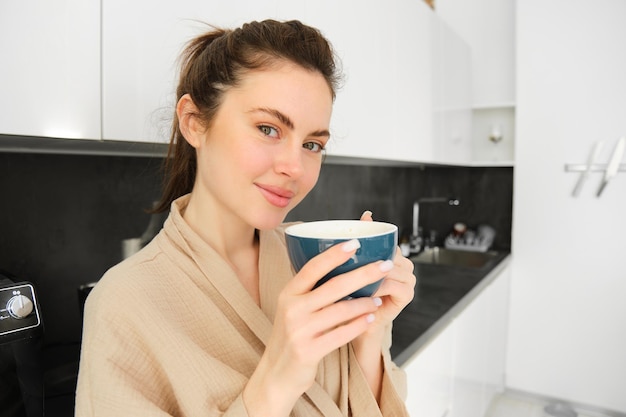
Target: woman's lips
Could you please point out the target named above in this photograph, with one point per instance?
(277, 196)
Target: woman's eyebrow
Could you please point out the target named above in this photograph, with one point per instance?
(277, 114)
(320, 133)
(287, 121)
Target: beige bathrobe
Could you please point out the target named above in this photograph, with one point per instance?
(172, 332)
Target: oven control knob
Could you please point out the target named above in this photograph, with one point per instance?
(20, 306)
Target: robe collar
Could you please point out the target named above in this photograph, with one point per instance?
(274, 269)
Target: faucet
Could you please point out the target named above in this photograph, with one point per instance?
(416, 241)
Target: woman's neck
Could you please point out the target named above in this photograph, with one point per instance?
(234, 240)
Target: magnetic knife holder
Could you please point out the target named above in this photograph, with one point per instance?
(594, 168)
(610, 169)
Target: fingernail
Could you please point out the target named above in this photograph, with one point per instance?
(386, 266)
(378, 301)
(370, 318)
(351, 245)
(366, 213)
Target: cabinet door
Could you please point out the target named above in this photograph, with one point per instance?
(472, 332)
(480, 346)
(407, 95)
(361, 122)
(141, 47)
(50, 71)
(384, 109)
(452, 98)
(413, 28)
(488, 26)
(429, 377)
(458, 373)
(498, 322)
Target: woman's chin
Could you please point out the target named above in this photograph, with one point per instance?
(269, 222)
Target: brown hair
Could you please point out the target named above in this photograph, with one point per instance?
(216, 61)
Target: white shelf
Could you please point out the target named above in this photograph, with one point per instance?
(492, 106)
(503, 163)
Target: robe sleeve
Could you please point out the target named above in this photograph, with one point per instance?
(393, 392)
(394, 374)
(121, 375)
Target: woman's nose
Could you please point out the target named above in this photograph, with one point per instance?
(289, 160)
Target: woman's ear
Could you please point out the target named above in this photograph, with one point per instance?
(188, 123)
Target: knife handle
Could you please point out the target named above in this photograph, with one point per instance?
(613, 165)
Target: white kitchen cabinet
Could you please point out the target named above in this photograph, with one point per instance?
(498, 296)
(471, 359)
(480, 346)
(407, 95)
(461, 369)
(430, 376)
(488, 27)
(452, 96)
(384, 111)
(140, 57)
(104, 71)
(50, 71)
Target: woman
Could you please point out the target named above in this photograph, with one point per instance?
(209, 319)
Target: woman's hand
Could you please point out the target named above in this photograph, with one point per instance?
(396, 291)
(309, 324)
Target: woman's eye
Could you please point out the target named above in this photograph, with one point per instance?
(268, 130)
(313, 146)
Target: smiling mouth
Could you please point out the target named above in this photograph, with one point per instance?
(276, 196)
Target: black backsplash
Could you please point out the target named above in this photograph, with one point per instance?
(345, 191)
(63, 216)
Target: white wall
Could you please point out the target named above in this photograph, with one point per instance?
(568, 312)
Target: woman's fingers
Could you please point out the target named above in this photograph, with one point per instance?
(303, 335)
(400, 293)
(344, 333)
(403, 261)
(367, 216)
(322, 264)
(341, 313)
(345, 284)
(339, 324)
(400, 278)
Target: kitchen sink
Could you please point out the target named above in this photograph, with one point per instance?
(451, 257)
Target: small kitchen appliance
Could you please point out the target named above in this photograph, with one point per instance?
(21, 381)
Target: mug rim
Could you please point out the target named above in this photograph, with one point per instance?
(303, 230)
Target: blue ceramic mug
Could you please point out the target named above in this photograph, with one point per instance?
(378, 242)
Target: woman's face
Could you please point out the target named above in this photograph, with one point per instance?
(262, 153)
